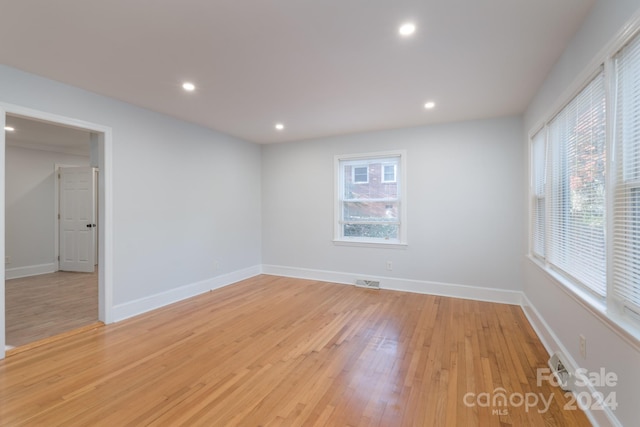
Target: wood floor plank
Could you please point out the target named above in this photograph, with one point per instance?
(286, 352)
(43, 306)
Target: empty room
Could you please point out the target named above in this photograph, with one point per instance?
(320, 213)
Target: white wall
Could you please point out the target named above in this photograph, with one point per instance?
(186, 199)
(565, 318)
(30, 212)
(606, 18)
(465, 212)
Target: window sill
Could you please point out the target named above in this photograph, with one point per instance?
(627, 330)
(365, 244)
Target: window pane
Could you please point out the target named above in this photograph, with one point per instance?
(626, 211)
(577, 221)
(380, 231)
(370, 205)
(370, 211)
(539, 214)
(372, 187)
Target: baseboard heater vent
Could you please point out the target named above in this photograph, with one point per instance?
(370, 284)
(560, 371)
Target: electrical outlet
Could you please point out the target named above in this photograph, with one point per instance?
(7, 260)
(389, 265)
(583, 347)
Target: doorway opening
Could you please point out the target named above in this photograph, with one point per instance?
(57, 269)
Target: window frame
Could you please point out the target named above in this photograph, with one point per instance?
(536, 197)
(609, 309)
(558, 255)
(623, 188)
(400, 175)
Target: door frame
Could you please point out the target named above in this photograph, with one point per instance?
(105, 203)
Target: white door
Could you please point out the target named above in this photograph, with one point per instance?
(77, 219)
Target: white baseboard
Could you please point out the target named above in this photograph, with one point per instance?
(30, 270)
(551, 342)
(142, 305)
(548, 338)
(406, 285)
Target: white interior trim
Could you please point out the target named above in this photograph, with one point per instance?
(30, 270)
(397, 284)
(3, 341)
(617, 325)
(143, 305)
(552, 344)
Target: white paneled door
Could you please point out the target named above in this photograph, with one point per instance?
(77, 219)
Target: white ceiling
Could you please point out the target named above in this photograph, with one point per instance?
(321, 67)
(39, 135)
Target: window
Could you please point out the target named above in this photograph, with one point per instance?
(568, 185)
(369, 199)
(576, 170)
(626, 210)
(360, 174)
(585, 189)
(389, 173)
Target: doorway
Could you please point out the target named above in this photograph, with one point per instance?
(98, 148)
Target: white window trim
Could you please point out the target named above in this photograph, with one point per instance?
(533, 196)
(596, 306)
(338, 239)
(607, 309)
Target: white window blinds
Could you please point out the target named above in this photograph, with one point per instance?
(626, 210)
(538, 203)
(585, 188)
(576, 176)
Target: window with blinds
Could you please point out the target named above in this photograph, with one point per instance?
(585, 219)
(626, 207)
(575, 169)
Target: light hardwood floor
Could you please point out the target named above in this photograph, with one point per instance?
(280, 351)
(46, 305)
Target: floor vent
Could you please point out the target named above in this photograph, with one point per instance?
(371, 284)
(560, 371)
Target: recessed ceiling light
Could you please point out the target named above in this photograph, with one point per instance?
(429, 105)
(407, 29)
(279, 126)
(9, 129)
(189, 87)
